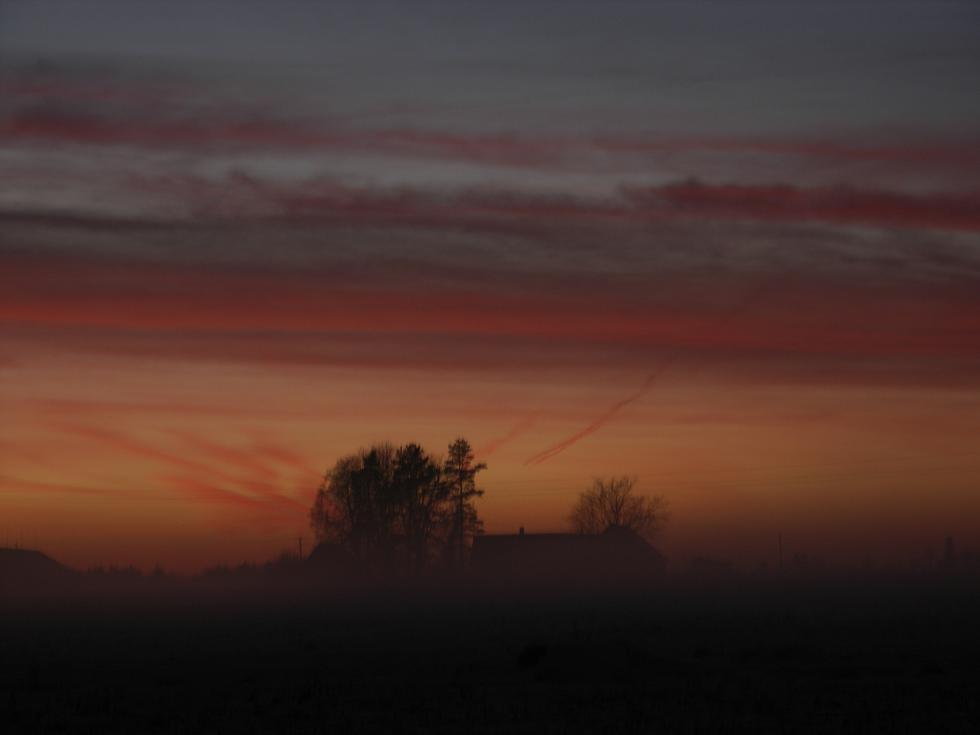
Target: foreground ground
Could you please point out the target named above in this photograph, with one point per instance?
(779, 657)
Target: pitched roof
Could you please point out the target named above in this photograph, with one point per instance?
(616, 551)
(20, 566)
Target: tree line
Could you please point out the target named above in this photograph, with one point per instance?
(401, 509)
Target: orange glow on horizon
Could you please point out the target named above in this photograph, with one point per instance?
(118, 477)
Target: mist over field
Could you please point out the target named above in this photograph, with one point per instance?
(489, 367)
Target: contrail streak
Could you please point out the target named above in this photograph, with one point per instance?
(599, 422)
(519, 428)
(648, 383)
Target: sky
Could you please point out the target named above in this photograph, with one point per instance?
(732, 249)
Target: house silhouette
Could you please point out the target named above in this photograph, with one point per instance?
(618, 554)
(25, 569)
(333, 560)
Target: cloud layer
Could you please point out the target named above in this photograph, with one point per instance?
(217, 275)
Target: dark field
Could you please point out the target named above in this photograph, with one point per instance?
(774, 657)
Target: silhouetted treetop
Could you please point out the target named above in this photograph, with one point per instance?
(612, 502)
(398, 508)
(461, 470)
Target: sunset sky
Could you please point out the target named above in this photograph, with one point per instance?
(732, 248)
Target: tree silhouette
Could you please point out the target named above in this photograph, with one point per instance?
(461, 472)
(354, 505)
(422, 494)
(391, 508)
(612, 503)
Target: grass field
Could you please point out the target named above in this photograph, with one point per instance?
(775, 657)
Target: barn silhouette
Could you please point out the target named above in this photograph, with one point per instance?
(25, 569)
(618, 554)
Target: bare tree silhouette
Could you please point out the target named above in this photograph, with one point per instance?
(612, 502)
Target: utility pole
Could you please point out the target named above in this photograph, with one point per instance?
(300, 540)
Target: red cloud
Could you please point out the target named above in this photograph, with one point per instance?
(199, 476)
(33, 486)
(264, 459)
(51, 126)
(928, 153)
(262, 507)
(170, 113)
(240, 197)
(838, 205)
(69, 117)
(802, 315)
(517, 430)
(128, 444)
